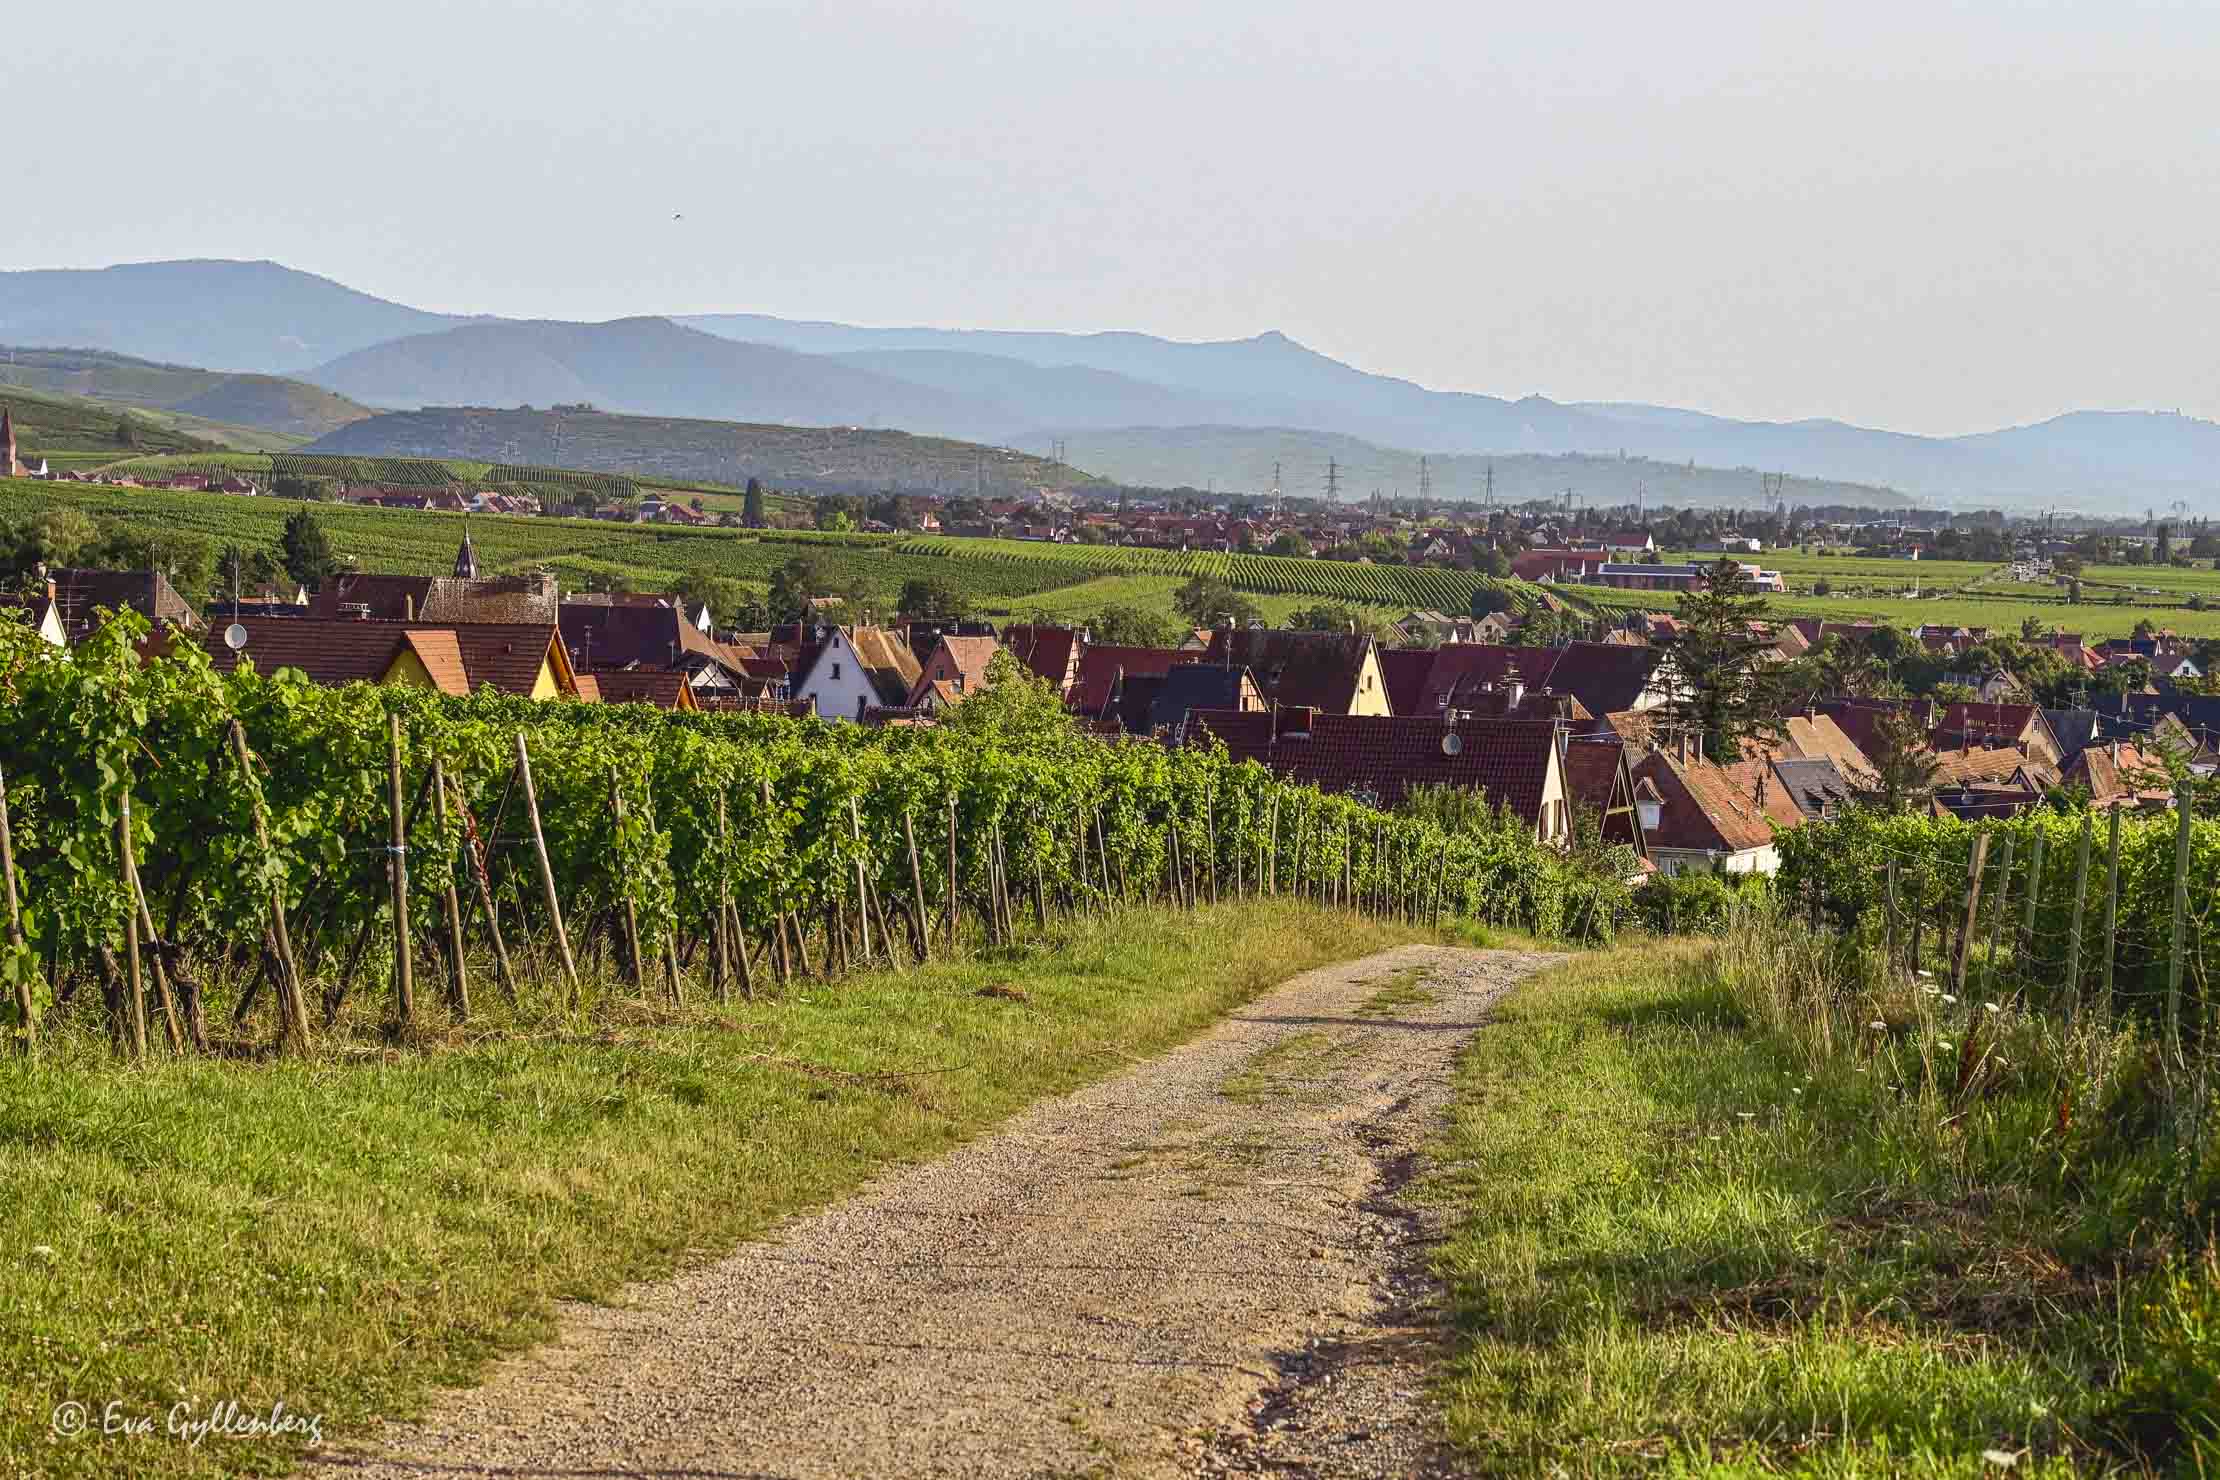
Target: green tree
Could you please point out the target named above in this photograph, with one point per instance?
(127, 432)
(1016, 706)
(1134, 626)
(792, 584)
(306, 550)
(1288, 542)
(927, 598)
(63, 537)
(245, 568)
(723, 596)
(1904, 768)
(1207, 600)
(1331, 616)
(1716, 672)
(186, 558)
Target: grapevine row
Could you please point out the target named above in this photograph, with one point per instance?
(176, 826)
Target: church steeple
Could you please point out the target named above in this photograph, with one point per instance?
(466, 558)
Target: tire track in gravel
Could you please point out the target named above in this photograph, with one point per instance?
(1202, 1265)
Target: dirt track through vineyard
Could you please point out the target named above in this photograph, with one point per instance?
(1202, 1265)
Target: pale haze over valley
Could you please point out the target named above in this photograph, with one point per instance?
(1930, 218)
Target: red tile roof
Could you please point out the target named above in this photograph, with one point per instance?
(666, 689)
(1465, 667)
(1709, 807)
(1386, 755)
(507, 656)
(1101, 664)
(1606, 676)
(1320, 669)
(1404, 670)
(1601, 781)
(1050, 652)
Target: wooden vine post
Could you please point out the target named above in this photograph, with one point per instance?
(2176, 955)
(150, 943)
(26, 1004)
(134, 1005)
(637, 962)
(863, 885)
(458, 977)
(2034, 894)
(720, 941)
(2002, 906)
(482, 879)
(1973, 905)
(2111, 919)
(922, 937)
(292, 1003)
(547, 869)
(952, 903)
(2073, 938)
(1888, 898)
(397, 868)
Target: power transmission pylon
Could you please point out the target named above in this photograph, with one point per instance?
(1333, 481)
(1425, 482)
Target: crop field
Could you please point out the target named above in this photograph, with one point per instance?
(1265, 575)
(1857, 571)
(423, 542)
(2097, 616)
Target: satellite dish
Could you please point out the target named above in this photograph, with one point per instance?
(235, 637)
(1452, 744)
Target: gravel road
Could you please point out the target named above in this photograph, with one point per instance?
(1199, 1266)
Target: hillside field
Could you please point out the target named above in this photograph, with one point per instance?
(682, 450)
(1000, 576)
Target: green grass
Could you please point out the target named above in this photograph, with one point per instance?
(2096, 617)
(1691, 1240)
(349, 1233)
(51, 423)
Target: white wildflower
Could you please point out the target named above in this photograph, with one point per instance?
(2003, 1459)
(1878, 1026)
(1942, 1043)
(1747, 1114)
(1924, 974)
(1948, 1000)
(1992, 1007)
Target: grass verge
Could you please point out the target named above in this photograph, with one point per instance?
(1692, 1239)
(346, 1234)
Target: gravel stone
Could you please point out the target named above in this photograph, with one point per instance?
(1151, 1276)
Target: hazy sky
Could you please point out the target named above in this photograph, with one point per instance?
(1908, 213)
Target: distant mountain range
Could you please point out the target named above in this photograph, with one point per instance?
(1167, 401)
(270, 403)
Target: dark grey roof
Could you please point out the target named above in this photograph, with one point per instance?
(1195, 686)
(1814, 785)
(2076, 730)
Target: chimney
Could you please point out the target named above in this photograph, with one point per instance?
(408, 607)
(1514, 687)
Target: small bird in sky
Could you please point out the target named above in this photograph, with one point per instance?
(678, 215)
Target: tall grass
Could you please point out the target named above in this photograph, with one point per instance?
(1756, 1204)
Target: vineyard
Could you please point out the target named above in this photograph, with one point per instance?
(2087, 918)
(181, 847)
(1430, 587)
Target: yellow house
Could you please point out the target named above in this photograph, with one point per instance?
(521, 658)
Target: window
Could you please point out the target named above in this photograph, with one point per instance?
(836, 671)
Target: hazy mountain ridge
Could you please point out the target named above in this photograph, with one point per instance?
(228, 315)
(648, 366)
(1022, 386)
(1243, 458)
(687, 450)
